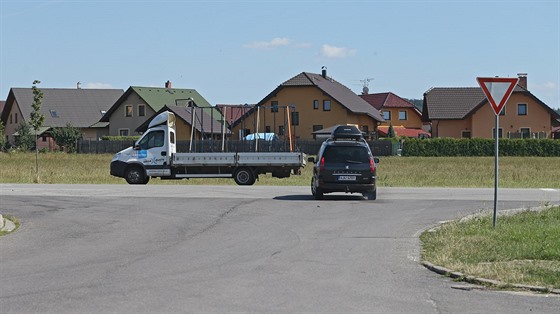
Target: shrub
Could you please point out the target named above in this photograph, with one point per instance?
(120, 138)
(480, 147)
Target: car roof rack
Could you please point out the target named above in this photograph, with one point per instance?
(347, 132)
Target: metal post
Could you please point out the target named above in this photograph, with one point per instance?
(496, 132)
(257, 133)
(192, 129)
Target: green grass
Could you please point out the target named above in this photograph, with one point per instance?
(515, 172)
(522, 249)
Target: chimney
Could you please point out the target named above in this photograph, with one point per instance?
(324, 72)
(522, 80)
(168, 84)
(78, 85)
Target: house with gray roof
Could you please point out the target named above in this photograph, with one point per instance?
(306, 103)
(207, 125)
(464, 112)
(81, 108)
(139, 103)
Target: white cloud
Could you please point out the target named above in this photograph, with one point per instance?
(329, 51)
(275, 42)
(98, 86)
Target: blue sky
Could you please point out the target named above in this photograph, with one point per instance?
(236, 52)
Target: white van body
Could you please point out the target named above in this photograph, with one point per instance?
(154, 155)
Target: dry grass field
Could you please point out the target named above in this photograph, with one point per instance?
(515, 172)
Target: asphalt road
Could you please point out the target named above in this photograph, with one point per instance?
(140, 249)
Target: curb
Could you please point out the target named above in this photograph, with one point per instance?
(6, 224)
(483, 281)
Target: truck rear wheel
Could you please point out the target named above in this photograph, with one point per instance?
(244, 176)
(135, 175)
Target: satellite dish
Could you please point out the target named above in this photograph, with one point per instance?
(365, 90)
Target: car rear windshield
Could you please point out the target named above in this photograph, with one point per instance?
(342, 154)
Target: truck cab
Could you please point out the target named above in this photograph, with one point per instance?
(151, 153)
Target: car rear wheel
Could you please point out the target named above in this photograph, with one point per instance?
(315, 190)
(372, 196)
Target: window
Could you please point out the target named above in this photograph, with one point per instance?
(53, 113)
(10, 119)
(525, 132)
(503, 112)
(152, 139)
(317, 127)
(295, 118)
(500, 133)
(402, 115)
(44, 138)
(16, 117)
(281, 130)
(522, 109)
(387, 115)
(274, 106)
(123, 132)
(128, 111)
(267, 129)
(365, 129)
(316, 104)
(326, 105)
(141, 110)
(466, 134)
(172, 137)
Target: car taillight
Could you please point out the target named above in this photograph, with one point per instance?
(322, 164)
(371, 165)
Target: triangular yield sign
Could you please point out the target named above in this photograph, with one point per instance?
(497, 90)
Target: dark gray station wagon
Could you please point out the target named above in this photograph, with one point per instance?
(344, 164)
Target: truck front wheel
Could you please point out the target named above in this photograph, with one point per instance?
(244, 176)
(135, 175)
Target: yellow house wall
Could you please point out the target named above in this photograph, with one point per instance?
(482, 122)
(537, 118)
(450, 128)
(413, 120)
(302, 98)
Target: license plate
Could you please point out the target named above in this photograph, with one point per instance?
(346, 178)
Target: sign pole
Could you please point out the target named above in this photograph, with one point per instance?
(497, 90)
(496, 132)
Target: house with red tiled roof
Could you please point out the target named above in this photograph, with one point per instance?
(405, 118)
(306, 103)
(464, 112)
(233, 113)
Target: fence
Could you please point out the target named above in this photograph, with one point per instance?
(311, 147)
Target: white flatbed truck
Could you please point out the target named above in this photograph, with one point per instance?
(154, 155)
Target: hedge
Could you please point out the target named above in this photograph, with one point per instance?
(480, 147)
(120, 138)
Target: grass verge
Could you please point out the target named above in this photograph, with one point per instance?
(515, 172)
(522, 249)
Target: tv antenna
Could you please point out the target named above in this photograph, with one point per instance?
(365, 84)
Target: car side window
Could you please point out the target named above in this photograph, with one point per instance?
(152, 139)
